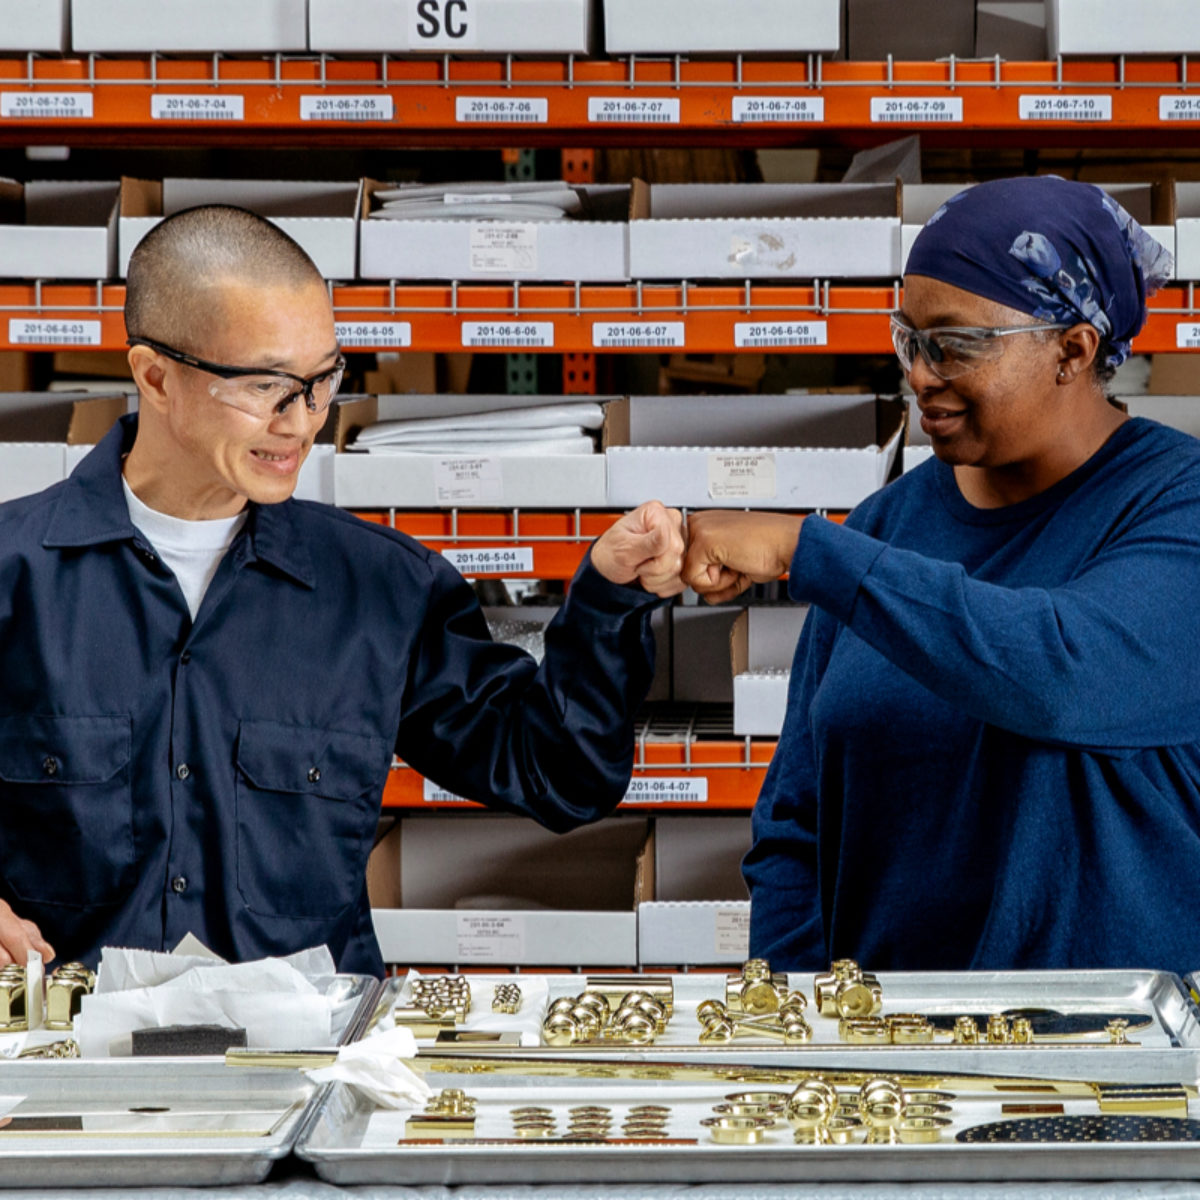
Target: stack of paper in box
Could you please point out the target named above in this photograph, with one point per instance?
(544, 430)
(533, 201)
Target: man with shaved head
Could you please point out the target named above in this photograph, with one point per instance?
(203, 680)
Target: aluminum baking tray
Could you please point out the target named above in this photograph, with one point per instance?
(355, 999)
(117, 1123)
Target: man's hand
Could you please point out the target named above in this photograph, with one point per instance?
(728, 551)
(18, 937)
(646, 545)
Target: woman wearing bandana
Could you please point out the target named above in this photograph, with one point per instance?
(991, 756)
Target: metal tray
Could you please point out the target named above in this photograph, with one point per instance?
(355, 998)
(153, 1091)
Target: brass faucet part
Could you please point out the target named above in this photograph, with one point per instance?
(449, 1114)
(846, 991)
(14, 1010)
(442, 995)
(737, 1131)
(756, 990)
(506, 998)
(65, 990)
(718, 1024)
(966, 1031)
(999, 1033)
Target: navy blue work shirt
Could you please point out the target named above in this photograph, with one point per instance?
(224, 777)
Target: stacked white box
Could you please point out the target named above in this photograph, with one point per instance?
(745, 27)
(232, 26)
(37, 25)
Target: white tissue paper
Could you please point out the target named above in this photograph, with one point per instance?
(375, 1068)
(276, 1000)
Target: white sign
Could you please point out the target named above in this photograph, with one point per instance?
(437, 795)
(504, 247)
(498, 560)
(369, 334)
(205, 106)
(1060, 106)
(22, 332)
(442, 24)
(1185, 107)
(338, 107)
(46, 106)
(490, 937)
(780, 333)
(801, 110)
(1187, 336)
(467, 481)
(916, 110)
(516, 334)
(667, 789)
(733, 932)
(631, 110)
(609, 335)
(741, 476)
(510, 110)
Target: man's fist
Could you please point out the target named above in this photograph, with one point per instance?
(645, 545)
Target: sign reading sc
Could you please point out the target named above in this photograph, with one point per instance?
(441, 24)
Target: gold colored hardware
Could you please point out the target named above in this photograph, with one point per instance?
(614, 988)
(718, 1024)
(419, 1022)
(966, 1031)
(506, 998)
(910, 1029)
(68, 1048)
(926, 1110)
(65, 990)
(1022, 1031)
(846, 991)
(881, 1103)
(920, 1130)
(305, 1060)
(929, 1097)
(442, 995)
(737, 1131)
(1118, 1031)
(461, 1037)
(1151, 1099)
(449, 1114)
(999, 1032)
(865, 1031)
(756, 990)
(842, 1130)
(14, 1011)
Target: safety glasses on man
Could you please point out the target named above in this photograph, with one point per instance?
(256, 391)
(952, 350)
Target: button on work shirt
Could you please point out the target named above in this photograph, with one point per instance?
(223, 777)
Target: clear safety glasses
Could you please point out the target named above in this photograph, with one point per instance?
(952, 350)
(258, 392)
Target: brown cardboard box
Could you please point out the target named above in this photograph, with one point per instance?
(915, 30)
(16, 371)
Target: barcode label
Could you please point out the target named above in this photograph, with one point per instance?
(731, 932)
(22, 332)
(1065, 108)
(511, 560)
(495, 937)
(46, 106)
(667, 789)
(346, 108)
(521, 334)
(801, 110)
(1179, 108)
(914, 110)
(432, 794)
(369, 334)
(508, 110)
(618, 335)
(748, 334)
(197, 108)
(1187, 336)
(631, 111)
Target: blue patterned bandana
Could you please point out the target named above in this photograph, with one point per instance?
(1064, 252)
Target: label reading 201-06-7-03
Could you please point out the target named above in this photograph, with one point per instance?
(47, 106)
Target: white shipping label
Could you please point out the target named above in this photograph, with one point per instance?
(442, 24)
(1063, 106)
(784, 110)
(467, 481)
(497, 560)
(632, 111)
(43, 332)
(200, 107)
(432, 794)
(733, 932)
(780, 333)
(741, 476)
(667, 789)
(364, 335)
(615, 335)
(504, 247)
(916, 110)
(511, 110)
(1185, 107)
(46, 106)
(520, 334)
(1187, 335)
(338, 107)
(490, 937)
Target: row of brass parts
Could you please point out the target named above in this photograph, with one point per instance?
(64, 992)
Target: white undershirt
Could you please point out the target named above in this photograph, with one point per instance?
(192, 549)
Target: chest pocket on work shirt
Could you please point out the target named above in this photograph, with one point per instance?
(307, 809)
(66, 809)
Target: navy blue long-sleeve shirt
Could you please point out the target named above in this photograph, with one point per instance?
(223, 776)
(991, 756)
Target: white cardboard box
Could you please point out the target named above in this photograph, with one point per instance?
(1179, 412)
(1150, 204)
(762, 645)
(676, 933)
(812, 451)
(764, 231)
(1186, 207)
(451, 26)
(231, 26)
(721, 26)
(459, 481)
(43, 436)
(322, 217)
(38, 25)
(590, 248)
(1170, 27)
(58, 230)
